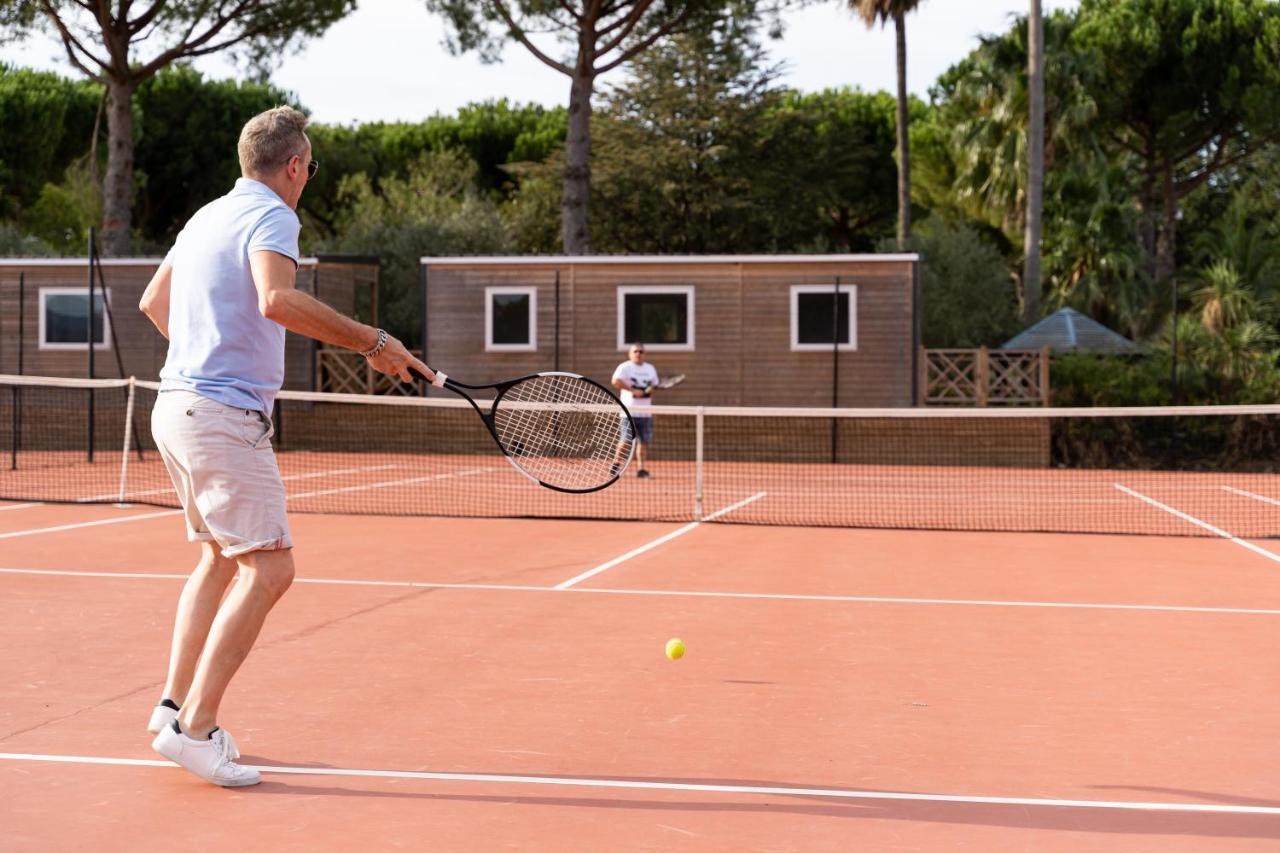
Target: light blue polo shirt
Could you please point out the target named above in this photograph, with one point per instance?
(220, 346)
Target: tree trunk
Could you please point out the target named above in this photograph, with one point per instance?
(577, 161)
(117, 186)
(904, 146)
(1035, 164)
(1167, 242)
(1147, 223)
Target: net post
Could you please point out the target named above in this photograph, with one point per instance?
(15, 429)
(698, 422)
(93, 253)
(128, 440)
(15, 436)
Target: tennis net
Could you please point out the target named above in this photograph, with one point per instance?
(1208, 471)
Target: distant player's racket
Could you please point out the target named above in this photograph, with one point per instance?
(669, 382)
(560, 430)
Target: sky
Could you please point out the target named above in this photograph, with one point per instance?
(386, 61)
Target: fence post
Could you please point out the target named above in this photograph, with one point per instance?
(984, 376)
(922, 378)
(1044, 376)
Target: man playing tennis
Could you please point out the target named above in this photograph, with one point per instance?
(637, 379)
(224, 297)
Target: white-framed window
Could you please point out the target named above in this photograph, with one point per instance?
(64, 316)
(510, 319)
(818, 311)
(659, 316)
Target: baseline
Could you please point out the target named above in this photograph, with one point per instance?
(763, 790)
(750, 596)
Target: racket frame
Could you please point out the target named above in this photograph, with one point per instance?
(461, 388)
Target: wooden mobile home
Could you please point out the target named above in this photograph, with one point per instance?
(797, 330)
(43, 317)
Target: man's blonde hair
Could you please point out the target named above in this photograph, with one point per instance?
(269, 139)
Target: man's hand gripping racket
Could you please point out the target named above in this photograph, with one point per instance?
(561, 430)
(669, 382)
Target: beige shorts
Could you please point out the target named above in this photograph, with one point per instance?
(225, 472)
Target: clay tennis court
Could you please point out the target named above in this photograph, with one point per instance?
(449, 684)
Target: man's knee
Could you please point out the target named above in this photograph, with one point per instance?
(214, 564)
(272, 570)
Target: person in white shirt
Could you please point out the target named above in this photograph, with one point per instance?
(637, 379)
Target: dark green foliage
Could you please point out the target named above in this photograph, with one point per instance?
(46, 123)
(493, 134)
(436, 209)
(185, 148)
(1082, 379)
(688, 156)
(701, 152)
(843, 163)
(968, 294)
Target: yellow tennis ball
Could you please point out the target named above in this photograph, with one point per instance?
(675, 649)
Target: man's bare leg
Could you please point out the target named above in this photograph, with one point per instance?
(264, 577)
(196, 608)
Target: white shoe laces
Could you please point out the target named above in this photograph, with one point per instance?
(227, 751)
(233, 749)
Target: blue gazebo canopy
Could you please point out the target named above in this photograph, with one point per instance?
(1068, 330)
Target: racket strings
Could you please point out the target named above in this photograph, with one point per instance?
(563, 430)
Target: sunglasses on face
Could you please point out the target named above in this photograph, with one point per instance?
(313, 166)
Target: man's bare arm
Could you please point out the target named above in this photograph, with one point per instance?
(155, 299)
(274, 276)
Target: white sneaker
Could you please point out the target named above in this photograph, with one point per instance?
(161, 716)
(213, 760)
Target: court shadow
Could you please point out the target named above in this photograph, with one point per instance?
(1199, 796)
(1046, 818)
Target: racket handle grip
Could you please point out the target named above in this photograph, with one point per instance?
(438, 381)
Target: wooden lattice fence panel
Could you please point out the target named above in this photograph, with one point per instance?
(341, 371)
(981, 377)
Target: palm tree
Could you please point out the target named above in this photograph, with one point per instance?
(883, 11)
(1035, 163)
(987, 117)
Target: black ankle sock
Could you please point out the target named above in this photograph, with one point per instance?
(169, 703)
(177, 728)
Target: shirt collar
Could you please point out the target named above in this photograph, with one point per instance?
(256, 187)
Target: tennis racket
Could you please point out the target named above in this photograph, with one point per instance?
(669, 382)
(561, 430)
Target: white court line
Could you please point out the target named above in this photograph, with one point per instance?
(675, 593)
(19, 506)
(466, 472)
(1256, 497)
(662, 540)
(1191, 519)
(629, 784)
(60, 527)
(169, 490)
